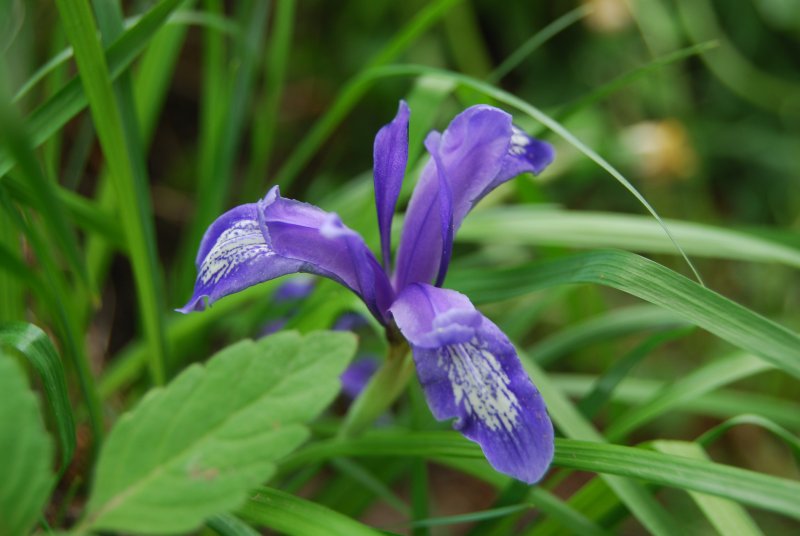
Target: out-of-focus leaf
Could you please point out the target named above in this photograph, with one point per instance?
(26, 452)
(748, 487)
(536, 226)
(194, 448)
(35, 345)
(726, 516)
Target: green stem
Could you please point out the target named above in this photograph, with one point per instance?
(383, 389)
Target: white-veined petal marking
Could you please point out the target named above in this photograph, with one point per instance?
(519, 141)
(480, 384)
(238, 244)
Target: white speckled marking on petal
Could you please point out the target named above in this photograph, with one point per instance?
(519, 141)
(241, 243)
(480, 385)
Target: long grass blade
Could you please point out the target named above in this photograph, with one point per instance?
(651, 282)
(536, 226)
(131, 190)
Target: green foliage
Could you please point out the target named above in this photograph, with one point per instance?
(26, 453)
(36, 347)
(128, 126)
(194, 448)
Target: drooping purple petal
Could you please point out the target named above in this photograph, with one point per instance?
(470, 371)
(357, 375)
(277, 236)
(479, 150)
(390, 157)
(234, 255)
(525, 154)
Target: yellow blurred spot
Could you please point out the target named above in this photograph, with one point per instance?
(607, 16)
(662, 149)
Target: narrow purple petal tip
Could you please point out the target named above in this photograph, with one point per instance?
(390, 157)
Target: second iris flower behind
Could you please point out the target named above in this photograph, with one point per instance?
(467, 367)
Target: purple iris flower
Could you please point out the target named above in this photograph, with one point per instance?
(468, 368)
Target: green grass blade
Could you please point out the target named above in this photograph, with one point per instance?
(614, 323)
(14, 272)
(625, 79)
(722, 404)
(366, 480)
(36, 347)
(355, 88)
(791, 440)
(294, 516)
(15, 138)
(134, 203)
(229, 525)
(725, 516)
(51, 116)
(538, 39)
(572, 424)
(740, 485)
(651, 282)
(552, 227)
(216, 177)
(63, 314)
(702, 380)
(604, 388)
(266, 116)
(733, 69)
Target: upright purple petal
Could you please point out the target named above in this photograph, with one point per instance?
(470, 371)
(278, 236)
(479, 150)
(390, 156)
(445, 195)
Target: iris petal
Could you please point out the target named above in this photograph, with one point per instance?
(390, 156)
(470, 371)
(445, 195)
(278, 236)
(478, 151)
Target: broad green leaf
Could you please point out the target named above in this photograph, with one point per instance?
(35, 345)
(294, 516)
(727, 517)
(652, 282)
(194, 448)
(536, 226)
(26, 453)
(747, 487)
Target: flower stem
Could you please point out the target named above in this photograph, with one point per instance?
(383, 389)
